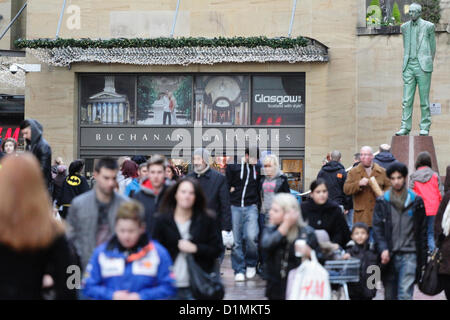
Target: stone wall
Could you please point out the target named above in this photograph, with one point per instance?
(352, 100)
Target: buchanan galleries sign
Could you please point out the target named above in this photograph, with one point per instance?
(176, 51)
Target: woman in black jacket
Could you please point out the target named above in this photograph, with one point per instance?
(74, 185)
(32, 241)
(278, 242)
(184, 226)
(324, 214)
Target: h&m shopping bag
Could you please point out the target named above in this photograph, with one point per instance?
(309, 281)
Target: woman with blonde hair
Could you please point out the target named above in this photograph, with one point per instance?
(32, 242)
(284, 241)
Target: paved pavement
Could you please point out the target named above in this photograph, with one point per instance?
(254, 289)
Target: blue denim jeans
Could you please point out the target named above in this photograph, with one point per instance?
(398, 279)
(430, 232)
(245, 232)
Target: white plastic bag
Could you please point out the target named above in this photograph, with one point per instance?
(309, 281)
(228, 239)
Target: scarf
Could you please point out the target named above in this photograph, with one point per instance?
(398, 201)
(201, 172)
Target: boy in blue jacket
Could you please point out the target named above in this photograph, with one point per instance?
(129, 266)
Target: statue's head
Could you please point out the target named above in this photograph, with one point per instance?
(415, 10)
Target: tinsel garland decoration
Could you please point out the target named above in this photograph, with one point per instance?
(63, 57)
(163, 42)
(176, 51)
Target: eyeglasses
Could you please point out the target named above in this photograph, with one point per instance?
(267, 165)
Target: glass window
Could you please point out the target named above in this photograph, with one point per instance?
(222, 100)
(107, 99)
(293, 169)
(164, 100)
(278, 100)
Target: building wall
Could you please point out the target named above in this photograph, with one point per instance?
(353, 100)
(380, 91)
(5, 12)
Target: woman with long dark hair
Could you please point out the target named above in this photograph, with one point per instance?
(32, 241)
(184, 226)
(322, 213)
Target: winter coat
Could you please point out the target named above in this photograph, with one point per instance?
(281, 186)
(335, 175)
(41, 149)
(368, 257)
(204, 232)
(21, 273)
(57, 185)
(382, 226)
(278, 251)
(151, 202)
(82, 222)
(245, 179)
(384, 159)
(363, 197)
(132, 188)
(145, 270)
(444, 267)
(328, 217)
(426, 183)
(73, 186)
(217, 192)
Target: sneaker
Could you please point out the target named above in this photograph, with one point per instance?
(239, 277)
(250, 273)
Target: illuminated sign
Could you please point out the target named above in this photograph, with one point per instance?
(6, 133)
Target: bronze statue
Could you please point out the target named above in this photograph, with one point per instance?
(419, 45)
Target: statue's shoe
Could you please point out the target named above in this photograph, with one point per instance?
(402, 132)
(423, 132)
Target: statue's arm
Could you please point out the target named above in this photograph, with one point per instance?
(432, 40)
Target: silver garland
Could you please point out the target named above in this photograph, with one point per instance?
(63, 57)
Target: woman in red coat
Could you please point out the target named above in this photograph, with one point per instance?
(426, 183)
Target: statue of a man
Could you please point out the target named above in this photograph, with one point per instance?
(419, 46)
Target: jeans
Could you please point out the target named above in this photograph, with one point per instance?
(262, 224)
(168, 115)
(430, 232)
(245, 232)
(398, 279)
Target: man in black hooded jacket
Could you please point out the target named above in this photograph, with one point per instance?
(36, 144)
(335, 175)
(384, 158)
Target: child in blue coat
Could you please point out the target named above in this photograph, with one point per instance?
(129, 266)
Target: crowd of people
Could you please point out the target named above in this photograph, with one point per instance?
(136, 228)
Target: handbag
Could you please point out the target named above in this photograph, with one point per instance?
(429, 281)
(204, 285)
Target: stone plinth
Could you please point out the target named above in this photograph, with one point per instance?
(406, 148)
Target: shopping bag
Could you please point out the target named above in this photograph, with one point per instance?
(309, 281)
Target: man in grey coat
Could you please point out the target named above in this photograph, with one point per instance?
(91, 216)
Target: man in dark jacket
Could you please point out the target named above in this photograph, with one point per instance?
(244, 180)
(384, 158)
(36, 144)
(334, 175)
(152, 190)
(400, 233)
(216, 189)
